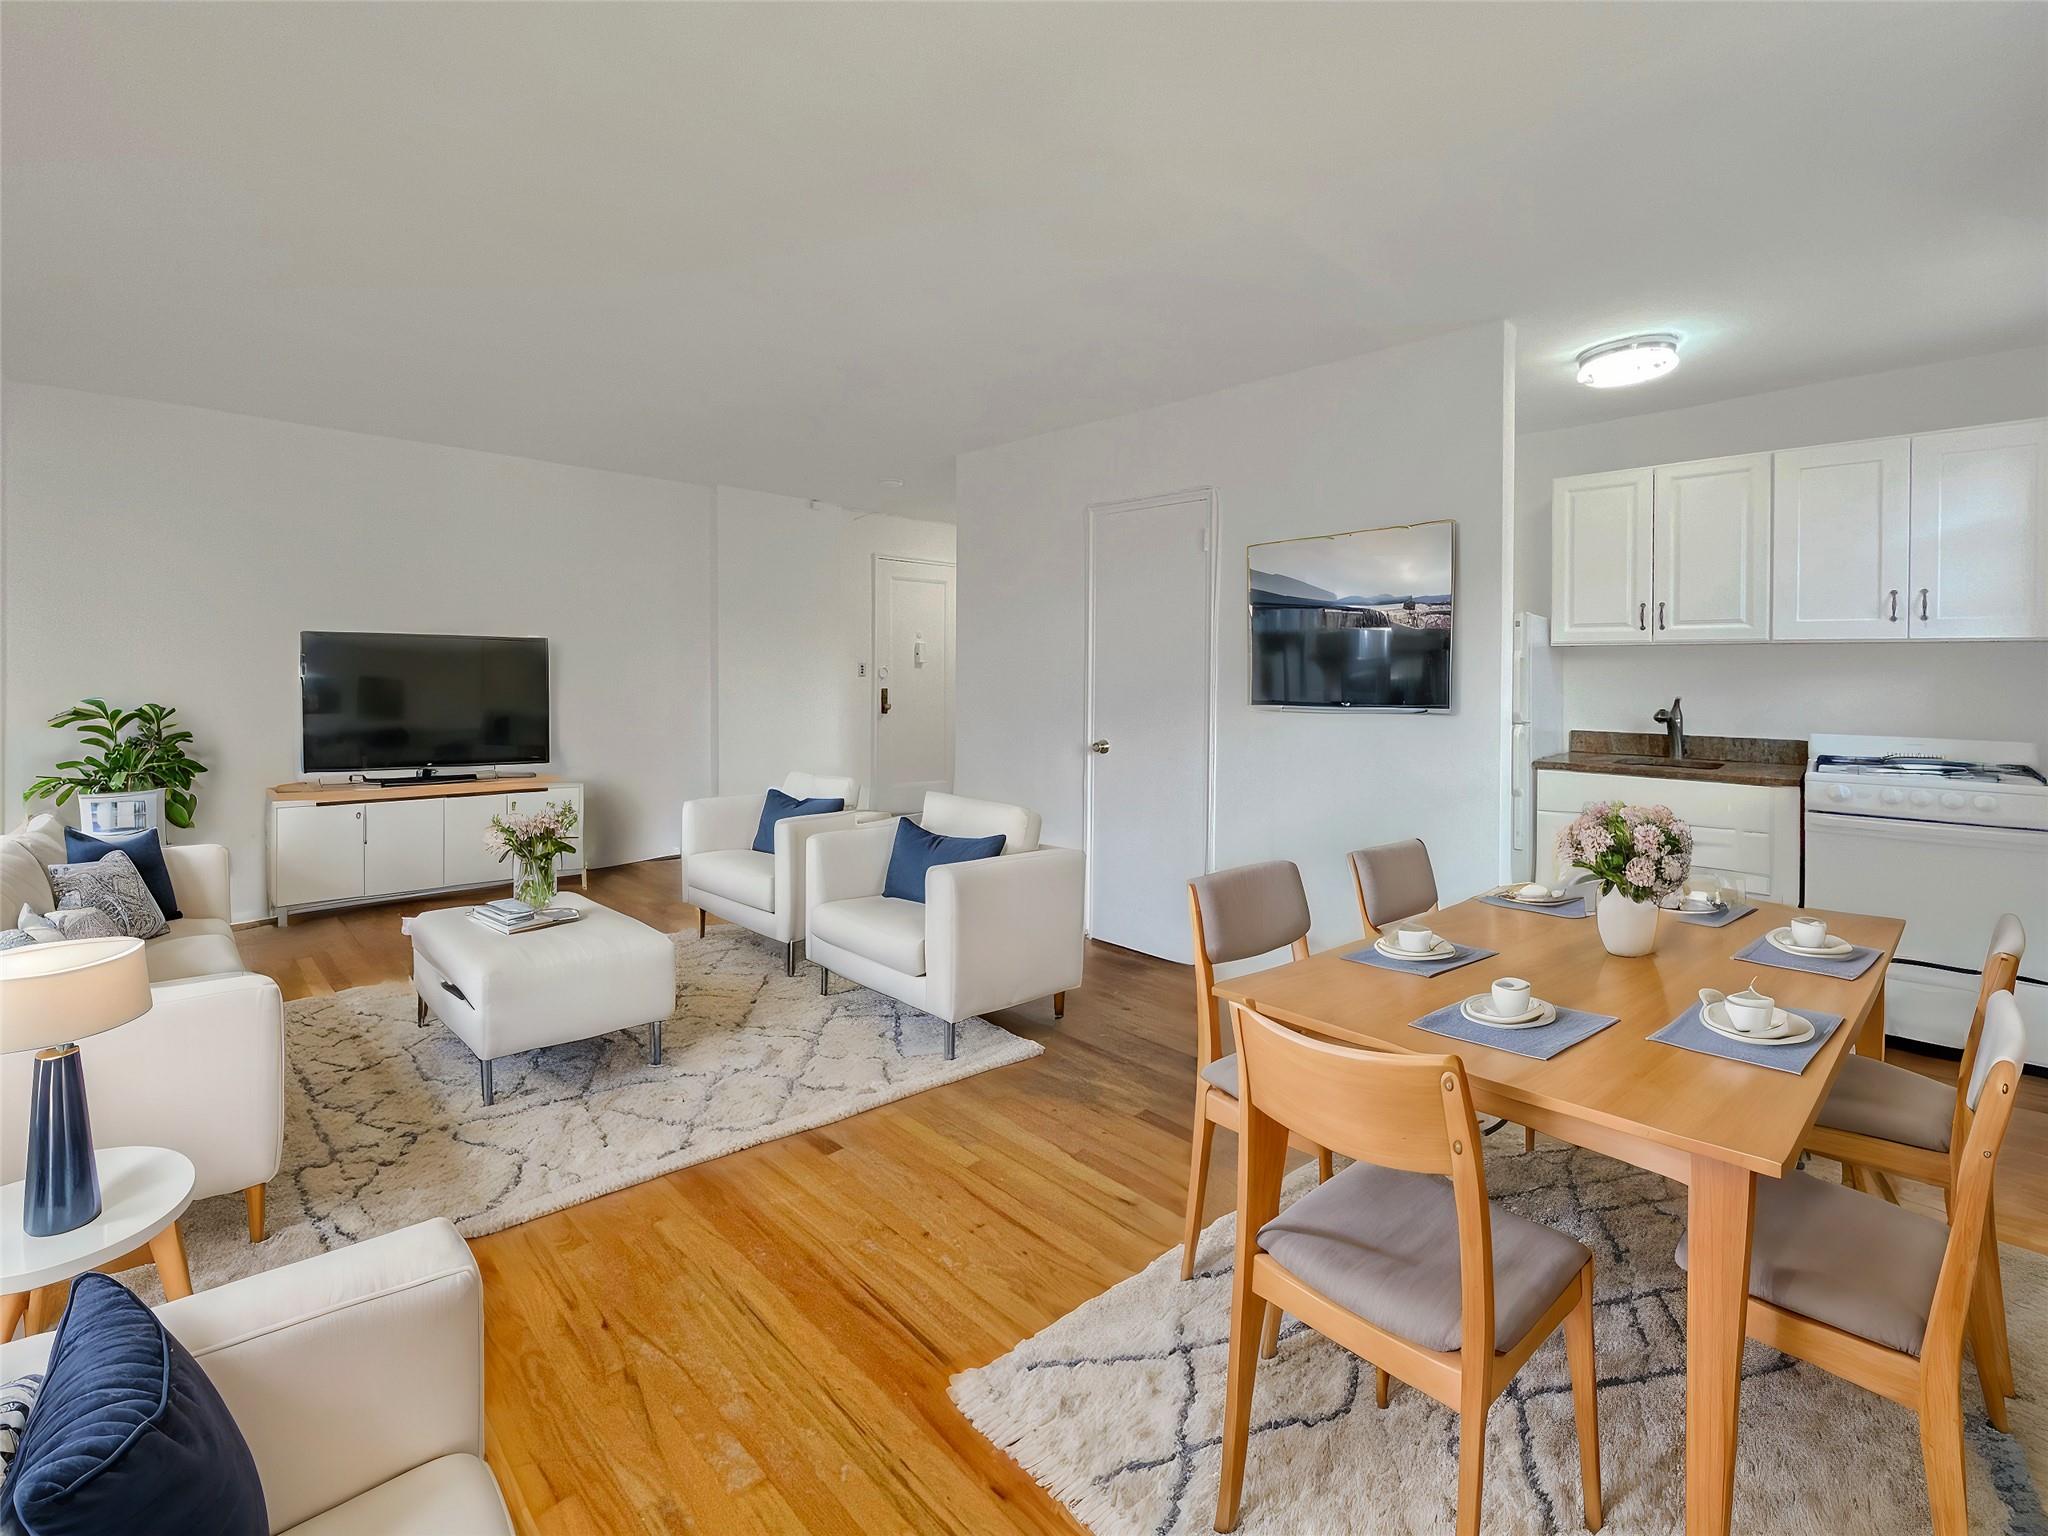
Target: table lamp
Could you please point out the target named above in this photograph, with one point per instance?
(52, 996)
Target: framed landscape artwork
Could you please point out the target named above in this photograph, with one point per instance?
(1356, 621)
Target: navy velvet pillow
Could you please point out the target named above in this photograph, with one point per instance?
(128, 1434)
(145, 848)
(778, 806)
(917, 850)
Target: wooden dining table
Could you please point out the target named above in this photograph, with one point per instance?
(1714, 1125)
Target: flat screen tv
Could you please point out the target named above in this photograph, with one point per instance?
(1354, 620)
(373, 703)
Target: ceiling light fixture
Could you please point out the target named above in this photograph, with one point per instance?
(892, 485)
(1631, 360)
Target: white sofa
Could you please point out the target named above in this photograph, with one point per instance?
(357, 1378)
(203, 1070)
(990, 933)
(723, 875)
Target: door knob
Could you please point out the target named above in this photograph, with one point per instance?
(1098, 746)
(885, 701)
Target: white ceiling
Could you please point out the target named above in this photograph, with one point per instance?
(807, 248)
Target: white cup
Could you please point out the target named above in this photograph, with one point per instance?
(1416, 941)
(1510, 997)
(1534, 893)
(1749, 1011)
(1704, 895)
(1809, 932)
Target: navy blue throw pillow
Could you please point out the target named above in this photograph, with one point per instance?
(128, 1434)
(778, 806)
(145, 848)
(916, 851)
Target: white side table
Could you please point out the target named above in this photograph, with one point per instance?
(143, 1192)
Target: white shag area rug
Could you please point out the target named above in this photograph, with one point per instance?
(1117, 1407)
(384, 1124)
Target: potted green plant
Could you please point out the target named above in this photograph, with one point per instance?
(127, 753)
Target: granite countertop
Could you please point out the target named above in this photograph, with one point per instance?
(1759, 760)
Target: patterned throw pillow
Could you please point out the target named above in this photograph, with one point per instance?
(17, 1398)
(14, 938)
(114, 886)
(66, 923)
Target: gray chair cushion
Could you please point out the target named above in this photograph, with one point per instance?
(1397, 881)
(1251, 910)
(1223, 1073)
(1874, 1098)
(1849, 1260)
(1384, 1244)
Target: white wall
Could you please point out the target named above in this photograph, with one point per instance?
(795, 626)
(1405, 435)
(1992, 689)
(158, 552)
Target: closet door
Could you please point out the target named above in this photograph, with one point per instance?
(1711, 550)
(1840, 521)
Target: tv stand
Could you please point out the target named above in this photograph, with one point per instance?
(338, 845)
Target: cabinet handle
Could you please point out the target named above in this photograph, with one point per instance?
(1660, 617)
(1642, 615)
(1895, 605)
(1923, 603)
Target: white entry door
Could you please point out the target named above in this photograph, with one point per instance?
(1151, 667)
(912, 698)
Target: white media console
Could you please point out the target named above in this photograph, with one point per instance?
(336, 845)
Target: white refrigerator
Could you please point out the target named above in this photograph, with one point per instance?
(1536, 726)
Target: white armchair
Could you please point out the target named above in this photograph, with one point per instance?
(357, 1377)
(723, 875)
(990, 933)
(203, 1070)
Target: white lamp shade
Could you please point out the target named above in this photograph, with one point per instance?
(51, 994)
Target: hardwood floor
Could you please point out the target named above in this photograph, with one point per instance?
(762, 1343)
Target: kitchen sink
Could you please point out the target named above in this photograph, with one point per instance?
(1667, 762)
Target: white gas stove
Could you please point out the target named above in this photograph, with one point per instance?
(1946, 835)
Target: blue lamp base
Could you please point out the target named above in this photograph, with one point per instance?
(63, 1179)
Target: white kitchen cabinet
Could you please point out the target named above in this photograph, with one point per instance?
(1840, 533)
(401, 846)
(317, 854)
(1746, 836)
(1710, 550)
(1978, 567)
(525, 804)
(1600, 559)
(464, 859)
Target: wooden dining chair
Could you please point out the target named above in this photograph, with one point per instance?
(1400, 1258)
(1883, 1296)
(1237, 914)
(1882, 1120)
(1395, 881)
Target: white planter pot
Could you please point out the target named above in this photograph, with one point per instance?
(1626, 927)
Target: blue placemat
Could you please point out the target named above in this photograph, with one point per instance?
(1543, 1042)
(1848, 968)
(1735, 910)
(1464, 954)
(1689, 1034)
(1583, 907)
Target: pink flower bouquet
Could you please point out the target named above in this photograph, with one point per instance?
(1643, 851)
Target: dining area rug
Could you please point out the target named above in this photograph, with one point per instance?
(1117, 1407)
(384, 1124)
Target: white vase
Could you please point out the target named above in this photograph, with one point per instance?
(1627, 926)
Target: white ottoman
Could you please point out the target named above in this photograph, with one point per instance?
(505, 993)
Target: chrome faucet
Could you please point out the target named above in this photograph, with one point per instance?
(1673, 721)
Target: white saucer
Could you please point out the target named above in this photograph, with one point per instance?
(1834, 949)
(1443, 951)
(1475, 1009)
(1693, 908)
(1789, 1028)
(1543, 901)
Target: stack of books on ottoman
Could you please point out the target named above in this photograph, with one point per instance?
(508, 916)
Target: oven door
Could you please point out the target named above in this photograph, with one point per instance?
(1949, 884)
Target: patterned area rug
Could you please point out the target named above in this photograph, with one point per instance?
(384, 1125)
(1117, 1407)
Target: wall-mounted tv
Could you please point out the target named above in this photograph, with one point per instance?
(373, 703)
(1354, 620)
